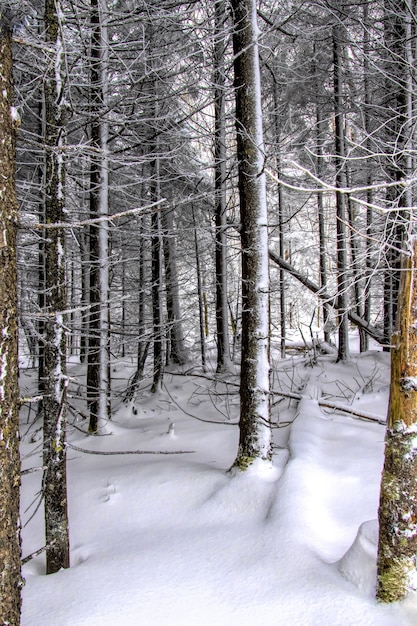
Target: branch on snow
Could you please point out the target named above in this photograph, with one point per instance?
(164, 452)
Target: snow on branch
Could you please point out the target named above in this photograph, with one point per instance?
(95, 220)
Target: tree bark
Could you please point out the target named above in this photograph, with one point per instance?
(341, 238)
(54, 406)
(220, 174)
(10, 577)
(93, 353)
(397, 549)
(255, 432)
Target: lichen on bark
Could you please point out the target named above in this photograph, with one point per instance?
(397, 549)
(10, 575)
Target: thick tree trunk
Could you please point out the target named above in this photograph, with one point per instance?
(54, 406)
(10, 577)
(255, 432)
(397, 550)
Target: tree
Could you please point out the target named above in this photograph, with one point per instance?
(10, 577)
(397, 549)
(341, 239)
(55, 383)
(255, 433)
(220, 43)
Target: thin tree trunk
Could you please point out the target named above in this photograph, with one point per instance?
(369, 177)
(255, 430)
(104, 394)
(93, 353)
(156, 277)
(395, 128)
(54, 405)
(200, 296)
(341, 238)
(222, 326)
(320, 135)
(10, 576)
(177, 352)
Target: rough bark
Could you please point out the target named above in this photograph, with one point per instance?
(54, 406)
(397, 549)
(255, 434)
(10, 577)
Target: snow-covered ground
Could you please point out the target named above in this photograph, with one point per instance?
(177, 540)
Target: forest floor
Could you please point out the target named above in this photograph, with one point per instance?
(177, 540)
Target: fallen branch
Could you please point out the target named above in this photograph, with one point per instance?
(31, 470)
(165, 452)
(323, 295)
(37, 553)
(334, 406)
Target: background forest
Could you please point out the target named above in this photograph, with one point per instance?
(131, 229)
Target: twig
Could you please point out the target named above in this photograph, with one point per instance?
(37, 553)
(30, 470)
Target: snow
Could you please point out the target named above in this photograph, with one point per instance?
(179, 541)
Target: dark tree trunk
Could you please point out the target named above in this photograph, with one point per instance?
(54, 406)
(222, 326)
(10, 577)
(394, 106)
(341, 238)
(177, 352)
(255, 433)
(156, 277)
(93, 353)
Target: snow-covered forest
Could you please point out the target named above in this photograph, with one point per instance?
(207, 256)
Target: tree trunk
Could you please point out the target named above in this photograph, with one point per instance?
(54, 406)
(341, 239)
(156, 276)
(220, 174)
(10, 577)
(199, 295)
(397, 550)
(177, 352)
(105, 383)
(93, 353)
(395, 126)
(255, 431)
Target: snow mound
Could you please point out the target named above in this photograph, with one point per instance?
(358, 565)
